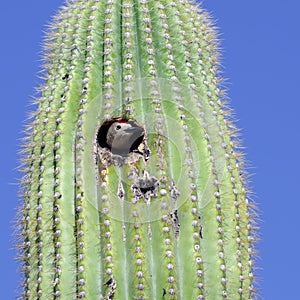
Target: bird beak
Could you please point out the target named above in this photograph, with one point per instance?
(135, 130)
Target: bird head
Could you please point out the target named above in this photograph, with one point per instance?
(122, 136)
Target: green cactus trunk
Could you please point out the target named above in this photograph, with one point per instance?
(168, 220)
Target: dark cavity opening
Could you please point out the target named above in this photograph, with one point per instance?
(145, 187)
(120, 136)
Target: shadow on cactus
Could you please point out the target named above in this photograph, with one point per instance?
(134, 187)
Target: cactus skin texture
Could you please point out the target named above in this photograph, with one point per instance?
(170, 220)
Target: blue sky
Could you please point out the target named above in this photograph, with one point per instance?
(260, 49)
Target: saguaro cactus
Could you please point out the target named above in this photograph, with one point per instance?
(164, 217)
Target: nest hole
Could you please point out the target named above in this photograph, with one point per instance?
(103, 133)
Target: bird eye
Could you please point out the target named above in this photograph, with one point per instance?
(118, 127)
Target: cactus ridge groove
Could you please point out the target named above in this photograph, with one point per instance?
(168, 217)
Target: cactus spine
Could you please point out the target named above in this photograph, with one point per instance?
(170, 220)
